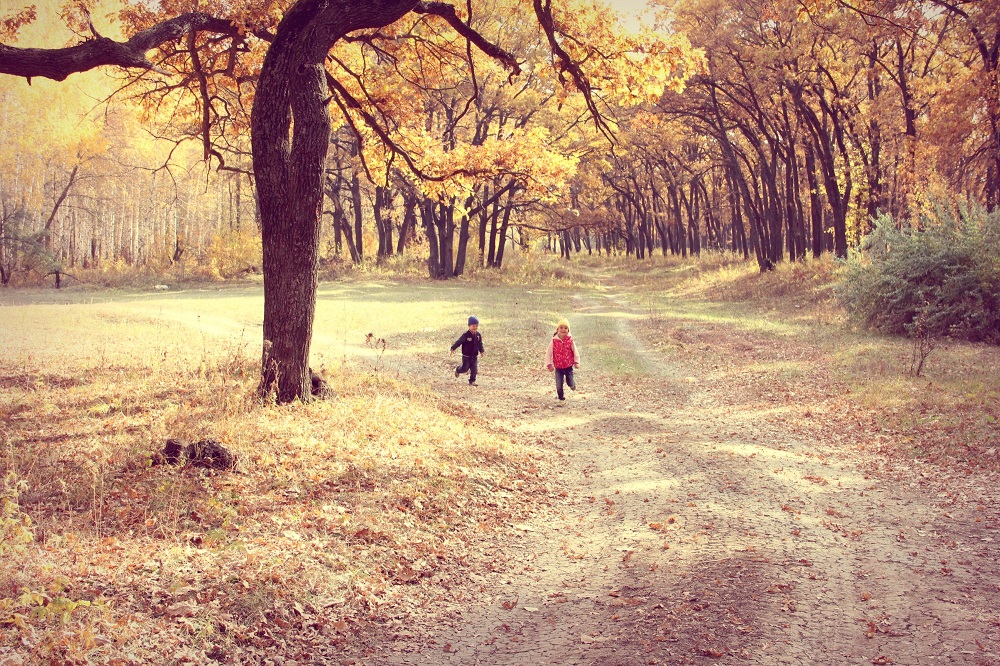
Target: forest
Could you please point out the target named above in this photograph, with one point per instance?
(256, 228)
(776, 130)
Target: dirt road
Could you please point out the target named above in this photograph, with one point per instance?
(714, 509)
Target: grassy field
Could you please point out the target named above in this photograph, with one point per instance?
(358, 508)
(949, 413)
(335, 504)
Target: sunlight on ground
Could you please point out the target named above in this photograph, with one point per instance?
(646, 484)
(722, 314)
(368, 498)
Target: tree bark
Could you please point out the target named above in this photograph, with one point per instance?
(815, 205)
(289, 167)
(501, 237)
(409, 222)
(383, 221)
(463, 240)
(823, 143)
(359, 218)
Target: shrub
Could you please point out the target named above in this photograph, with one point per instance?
(943, 280)
(234, 254)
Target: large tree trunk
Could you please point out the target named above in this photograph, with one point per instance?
(823, 142)
(445, 219)
(486, 213)
(427, 215)
(288, 164)
(359, 218)
(463, 240)
(409, 222)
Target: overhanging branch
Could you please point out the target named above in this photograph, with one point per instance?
(447, 12)
(57, 64)
(566, 65)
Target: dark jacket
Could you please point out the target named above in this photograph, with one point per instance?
(471, 344)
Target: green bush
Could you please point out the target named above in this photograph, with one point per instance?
(941, 281)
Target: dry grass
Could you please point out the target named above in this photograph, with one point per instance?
(363, 508)
(949, 415)
(334, 510)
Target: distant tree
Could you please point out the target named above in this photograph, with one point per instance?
(12, 242)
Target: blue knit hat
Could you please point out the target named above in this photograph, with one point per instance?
(473, 320)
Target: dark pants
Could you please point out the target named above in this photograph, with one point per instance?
(567, 374)
(470, 364)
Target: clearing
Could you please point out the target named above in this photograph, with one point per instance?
(711, 494)
(715, 501)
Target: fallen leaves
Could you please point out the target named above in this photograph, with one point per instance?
(185, 609)
(663, 525)
(407, 575)
(345, 507)
(336, 498)
(710, 652)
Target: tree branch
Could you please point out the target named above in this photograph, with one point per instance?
(566, 65)
(57, 64)
(447, 12)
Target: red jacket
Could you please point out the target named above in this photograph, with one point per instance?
(562, 353)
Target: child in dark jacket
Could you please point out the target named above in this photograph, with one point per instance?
(471, 343)
(561, 357)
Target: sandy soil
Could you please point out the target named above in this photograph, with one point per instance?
(708, 513)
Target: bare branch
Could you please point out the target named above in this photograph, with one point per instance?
(351, 102)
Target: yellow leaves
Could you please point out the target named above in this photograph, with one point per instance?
(625, 68)
(807, 9)
(423, 99)
(105, 408)
(15, 527)
(10, 25)
(44, 607)
(525, 156)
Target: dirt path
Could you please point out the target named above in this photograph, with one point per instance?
(706, 515)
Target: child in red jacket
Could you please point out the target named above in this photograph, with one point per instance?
(561, 357)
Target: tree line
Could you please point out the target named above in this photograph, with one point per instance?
(802, 124)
